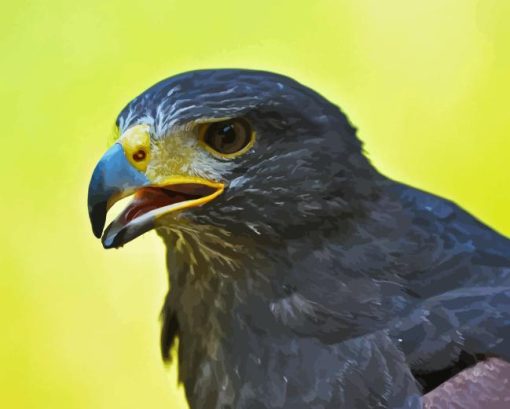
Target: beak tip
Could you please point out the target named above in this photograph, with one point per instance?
(97, 215)
(111, 240)
(109, 243)
(97, 232)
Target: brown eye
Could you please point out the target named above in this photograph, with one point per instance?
(228, 137)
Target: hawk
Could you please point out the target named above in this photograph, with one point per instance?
(301, 277)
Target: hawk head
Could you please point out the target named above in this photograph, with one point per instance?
(246, 151)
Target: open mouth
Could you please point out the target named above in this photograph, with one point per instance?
(151, 203)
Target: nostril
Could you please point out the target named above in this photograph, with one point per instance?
(139, 155)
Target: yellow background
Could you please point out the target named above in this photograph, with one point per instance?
(427, 83)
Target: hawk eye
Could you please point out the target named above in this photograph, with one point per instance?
(228, 138)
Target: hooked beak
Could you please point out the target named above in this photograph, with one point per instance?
(112, 179)
(115, 177)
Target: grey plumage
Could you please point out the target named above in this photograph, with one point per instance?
(314, 281)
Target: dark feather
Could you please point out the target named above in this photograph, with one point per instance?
(169, 329)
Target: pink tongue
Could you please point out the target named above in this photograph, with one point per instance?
(148, 199)
(134, 212)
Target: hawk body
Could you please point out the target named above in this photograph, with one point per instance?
(312, 280)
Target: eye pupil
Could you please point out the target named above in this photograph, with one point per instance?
(228, 137)
(228, 133)
(139, 155)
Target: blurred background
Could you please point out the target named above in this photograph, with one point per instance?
(426, 82)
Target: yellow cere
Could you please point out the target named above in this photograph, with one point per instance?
(426, 83)
(136, 142)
